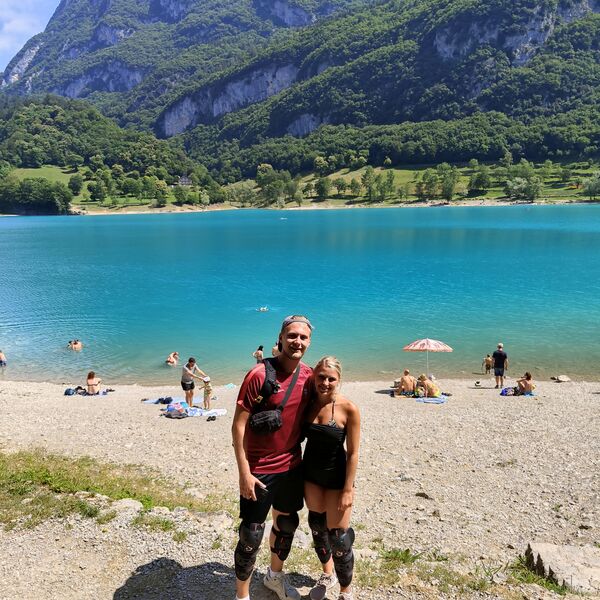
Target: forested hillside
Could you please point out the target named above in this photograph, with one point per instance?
(246, 82)
(104, 159)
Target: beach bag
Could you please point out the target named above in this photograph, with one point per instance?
(177, 410)
(264, 422)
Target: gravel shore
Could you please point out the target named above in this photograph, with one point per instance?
(468, 483)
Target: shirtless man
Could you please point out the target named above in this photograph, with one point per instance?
(2, 359)
(406, 385)
(269, 464)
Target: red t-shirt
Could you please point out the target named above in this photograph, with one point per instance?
(279, 451)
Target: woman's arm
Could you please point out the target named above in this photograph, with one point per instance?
(352, 444)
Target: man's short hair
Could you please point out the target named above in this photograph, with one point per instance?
(296, 319)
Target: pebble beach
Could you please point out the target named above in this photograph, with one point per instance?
(473, 481)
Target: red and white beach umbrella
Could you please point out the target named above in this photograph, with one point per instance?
(427, 345)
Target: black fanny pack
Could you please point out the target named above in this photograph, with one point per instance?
(264, 422)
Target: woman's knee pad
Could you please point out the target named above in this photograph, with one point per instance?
(318, 527)
(284, 530)
(251, 535)
(343, 558)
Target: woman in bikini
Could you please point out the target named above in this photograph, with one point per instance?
(93, 384)
(329, 474)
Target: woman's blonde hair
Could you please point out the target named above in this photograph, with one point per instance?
(330, 362)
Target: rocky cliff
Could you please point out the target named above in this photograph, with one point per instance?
(250, 69)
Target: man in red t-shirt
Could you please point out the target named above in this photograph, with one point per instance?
(269, 465)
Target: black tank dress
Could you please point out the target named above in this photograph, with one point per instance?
(324, 460)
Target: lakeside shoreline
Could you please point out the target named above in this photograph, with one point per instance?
(78, 211)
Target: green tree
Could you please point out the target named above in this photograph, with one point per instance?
(76, 184)
(389, 183)
(368, 182)
(592, 187)
(161, 193)
(449, 178)
(308, 189)
(96, 162)
(340, 185)
(480, 181)
(565, 173)
(355, 187)
(97, 190)
(431, 182)
(180, 194)
(322, 188)
(320, 165)
(519, 188)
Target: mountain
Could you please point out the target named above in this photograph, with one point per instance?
(127, 56)
(249, 81)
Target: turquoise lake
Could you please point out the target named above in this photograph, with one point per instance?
(135, 287)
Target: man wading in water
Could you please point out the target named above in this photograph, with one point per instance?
(266, 441)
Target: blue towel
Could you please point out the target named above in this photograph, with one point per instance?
(441, 400)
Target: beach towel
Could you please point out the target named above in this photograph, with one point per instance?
(202, 412)
(441, 400)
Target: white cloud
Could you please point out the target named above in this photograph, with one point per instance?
(20, 20)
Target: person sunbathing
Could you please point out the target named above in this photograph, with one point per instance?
(93, 384)
(430, 389)
(407, 384)
(525, 385)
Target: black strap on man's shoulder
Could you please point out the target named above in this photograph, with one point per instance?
(271, 385)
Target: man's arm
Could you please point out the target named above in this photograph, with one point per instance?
(238, 431)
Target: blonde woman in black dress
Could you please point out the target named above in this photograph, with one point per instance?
(329, 474)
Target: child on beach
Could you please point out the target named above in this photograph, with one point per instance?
(207, 393)
(3, 362)
(488, 363)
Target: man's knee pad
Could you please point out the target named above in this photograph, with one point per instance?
(318, 527)
(251, 535)
(284, 534)
(343, 557)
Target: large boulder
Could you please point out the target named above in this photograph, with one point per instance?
(576, 567)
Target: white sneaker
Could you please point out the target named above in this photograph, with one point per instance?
(324, 584)
(278, 583)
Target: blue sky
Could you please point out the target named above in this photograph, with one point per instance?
(19, 20)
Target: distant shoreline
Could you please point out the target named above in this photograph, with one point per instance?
(76, 212)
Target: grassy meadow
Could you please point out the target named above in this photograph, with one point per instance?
(556, 187)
